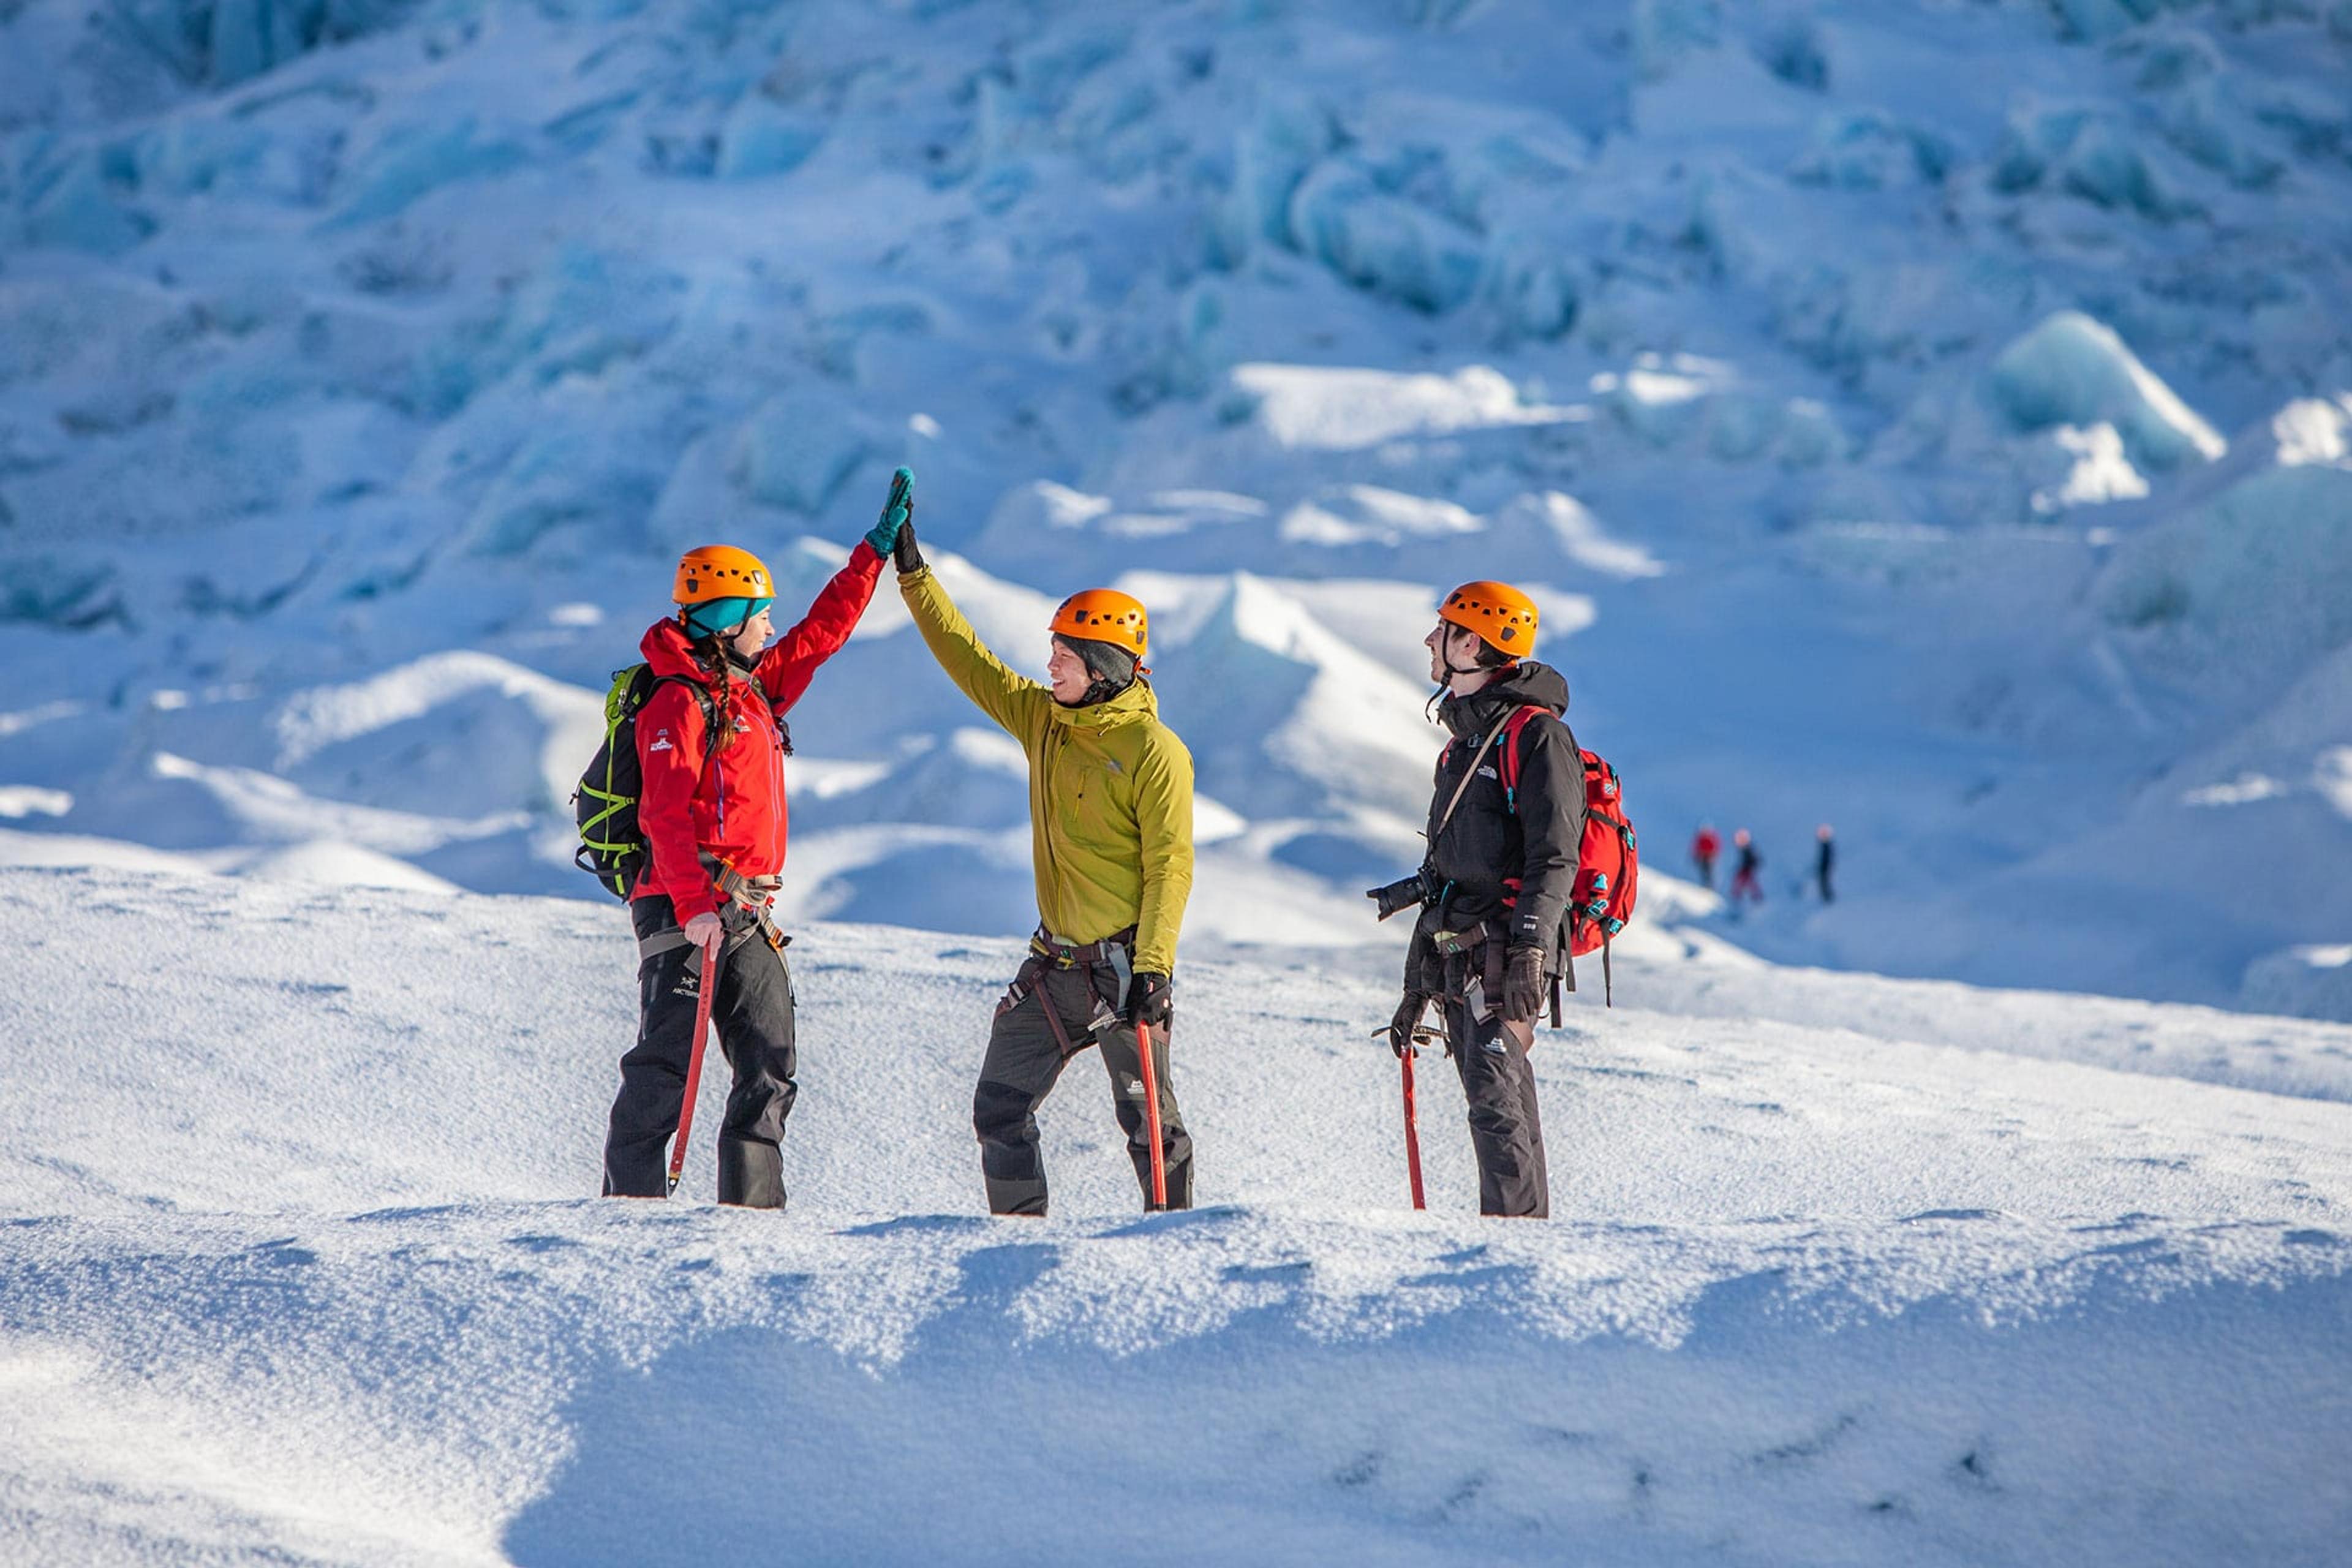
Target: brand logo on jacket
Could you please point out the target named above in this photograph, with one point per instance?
(661, 742)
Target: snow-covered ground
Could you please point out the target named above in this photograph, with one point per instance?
(299, 1268)
(1932, 418)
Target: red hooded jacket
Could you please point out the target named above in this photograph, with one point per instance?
(733, 807)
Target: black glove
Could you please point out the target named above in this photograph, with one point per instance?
(1149, 1000)
(1523, 984)
(1407, 1021)
(904, 553)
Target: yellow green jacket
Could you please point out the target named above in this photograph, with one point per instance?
(1110, 791)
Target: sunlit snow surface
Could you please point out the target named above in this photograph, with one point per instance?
(298, 1266)
(1926, 417)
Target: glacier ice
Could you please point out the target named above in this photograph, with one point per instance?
(799, 447)
(2072, 370)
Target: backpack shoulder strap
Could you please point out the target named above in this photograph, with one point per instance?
(702, 696)
(1471, 771)
(1518, 719)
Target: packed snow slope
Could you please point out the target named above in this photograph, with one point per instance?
(1929, 417)
(298, 1266)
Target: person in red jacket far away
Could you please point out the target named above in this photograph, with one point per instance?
(712, 746)
(1705, 846)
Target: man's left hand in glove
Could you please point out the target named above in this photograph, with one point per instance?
(1149, 1000)
(1523, 984)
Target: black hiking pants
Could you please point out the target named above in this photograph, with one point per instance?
(1499, 1084)
(751, 1011)
(1027, 1053)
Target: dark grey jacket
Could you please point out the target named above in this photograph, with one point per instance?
(1487, 844)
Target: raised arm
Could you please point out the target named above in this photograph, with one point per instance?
(1017, 703)
(784, 671)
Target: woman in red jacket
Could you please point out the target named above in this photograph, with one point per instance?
(712, 744)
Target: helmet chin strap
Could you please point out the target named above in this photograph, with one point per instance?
(1445, 659)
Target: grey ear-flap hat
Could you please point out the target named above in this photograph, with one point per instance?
(1103, 660)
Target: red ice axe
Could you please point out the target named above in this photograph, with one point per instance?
(1412, 1130)
(1151, 1114)
(693, 1065)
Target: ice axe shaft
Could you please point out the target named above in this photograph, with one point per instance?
(1412, 1131)
(693, 1065)
(1151, 1114)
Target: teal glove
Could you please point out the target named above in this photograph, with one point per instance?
(884, 535)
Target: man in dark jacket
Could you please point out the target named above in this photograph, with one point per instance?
(1501, 869)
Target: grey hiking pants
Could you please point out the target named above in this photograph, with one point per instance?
(751, 1012)
(1499, 1084)
(1026, 1054)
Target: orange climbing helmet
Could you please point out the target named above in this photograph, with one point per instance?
(721, 572)
(1104, 615)
(1502, 615)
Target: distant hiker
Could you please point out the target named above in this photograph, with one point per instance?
(1824, 859)
(1705, 846)
(1745, 881)
(1502, 868)
(1110, 809)
(713, 743)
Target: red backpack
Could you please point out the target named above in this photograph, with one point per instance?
(1608, 868)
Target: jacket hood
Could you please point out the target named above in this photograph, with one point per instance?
(1526, 684)
(670, 651)
(1130, 706)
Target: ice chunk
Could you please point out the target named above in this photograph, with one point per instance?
(1533, 285)
(764, 137)
(573, 472)
(2204, 119)
(1344, 409)
(1366, 514)
(797, 449)
(419, 157)
(2308, 982)
(324, 862)
(2072, 370)
(1869, 150)
(69, 203)
(451, 727)
(1041, 507)
(249, 37)
(2089, 152)
(1310, 722)
(977, 778)
(2314, 430)
(2247, 586)
(1340, 216)
(18, 801)
(1285, 139)
(48, 590)
(1581, 537)
(1664, 31)
(2093, 20)
(2100, 471)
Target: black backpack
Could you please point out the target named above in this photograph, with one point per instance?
(612, 846)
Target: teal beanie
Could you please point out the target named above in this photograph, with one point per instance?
(717, 617)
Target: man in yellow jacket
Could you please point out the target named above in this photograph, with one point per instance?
(1110, 814)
